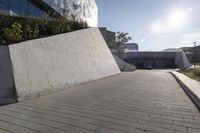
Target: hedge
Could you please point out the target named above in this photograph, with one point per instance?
(196, 72)
(15, 29)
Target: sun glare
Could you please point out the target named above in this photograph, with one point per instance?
(177, 18)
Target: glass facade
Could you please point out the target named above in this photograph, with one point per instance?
(21, 8)
(77, 10)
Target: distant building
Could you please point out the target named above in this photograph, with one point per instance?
(109, 36)
(192, 53)
(189, 52)
(78, 10)
(131, 47)
(123, 49)
(158, 59)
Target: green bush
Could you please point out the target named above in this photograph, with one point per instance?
(196, 72)
(14, 33)
(14, 29)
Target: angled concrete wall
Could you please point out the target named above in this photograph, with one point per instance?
(123, 66)
(57, 62)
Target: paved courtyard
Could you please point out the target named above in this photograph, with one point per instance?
(138, 102)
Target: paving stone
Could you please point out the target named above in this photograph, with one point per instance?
(135, 102)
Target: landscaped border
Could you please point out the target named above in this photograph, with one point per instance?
(14, 29)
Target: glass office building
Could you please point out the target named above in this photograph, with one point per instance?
(78, 10)
(22, 7)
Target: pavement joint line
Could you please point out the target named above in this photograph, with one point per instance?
(189, 90)
(53, 121)
(5, 130)
(30, 121)
(74, 109)
(91, 119)
(82, 121)
(118, 109)
(20, 126)
(134, 111)
(111, 103)
(124, 116)
(174, 125)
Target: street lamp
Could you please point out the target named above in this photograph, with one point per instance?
(194, 58)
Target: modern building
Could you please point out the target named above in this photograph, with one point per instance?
(158, 59)
(109, 36)
(123, 49)
(78, 10)
(131, 47)
(192, 53)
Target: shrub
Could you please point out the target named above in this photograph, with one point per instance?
(196, 72)
(14, 29)
(14, 33)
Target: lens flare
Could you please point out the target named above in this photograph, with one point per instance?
(177, 18)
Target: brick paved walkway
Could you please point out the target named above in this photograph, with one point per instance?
(139, 102)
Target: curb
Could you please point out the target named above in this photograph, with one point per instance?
(188, 89)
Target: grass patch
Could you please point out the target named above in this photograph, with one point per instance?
(193, 73)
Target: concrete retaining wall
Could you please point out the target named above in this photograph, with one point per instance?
(7, 86)
(60, 61)
(123, 66)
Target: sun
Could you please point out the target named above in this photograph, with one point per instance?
(177, 18)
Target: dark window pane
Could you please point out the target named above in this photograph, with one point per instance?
(23, 7)
(4, 2)
(4, 8)
(31, 9)
(14, 3)
(35, 11)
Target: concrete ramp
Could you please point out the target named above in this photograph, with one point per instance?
(123, 66)
(57, 62)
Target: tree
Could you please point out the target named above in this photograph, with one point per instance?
(122, 38)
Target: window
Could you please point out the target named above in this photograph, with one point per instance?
(14, 7)
(4, 6)
(24, 7)
(35, 11)
(21, 7)
(14, 3)
(5, 2)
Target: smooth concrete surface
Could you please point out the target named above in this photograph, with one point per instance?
(60, 61)
(191, 87)
(7, 86)
(137, 102)
(123, 66)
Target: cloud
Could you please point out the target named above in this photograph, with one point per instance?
(171, 21)
(143, 40)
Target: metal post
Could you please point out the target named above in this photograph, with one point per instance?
(194, 55)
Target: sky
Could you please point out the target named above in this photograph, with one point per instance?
(153, 24)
